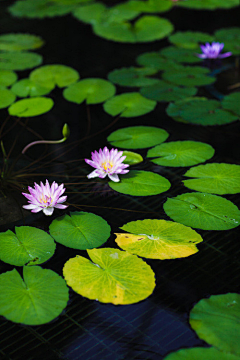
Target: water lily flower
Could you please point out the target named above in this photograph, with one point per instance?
(45, 198)
(213, 51)
(107, 163)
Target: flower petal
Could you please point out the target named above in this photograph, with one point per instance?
(48, 211)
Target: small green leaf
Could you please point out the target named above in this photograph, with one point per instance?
(132, 158)
(203, 211)
(37, 299)
(149, 5)
(80, 230)
(190, 39)
(180, 54)
(19, 60)
(133, 76)
(65, 131)
(141, 183)
(137, 137)
(231, 103)
(6, 97)
(27, 87)
(54, 75)
(189, 76)
(156, 60)
(113, 276)
(200, 353)
(208, 4)
(31, 107)
(7, 77)
(19, 42)
(90, 13)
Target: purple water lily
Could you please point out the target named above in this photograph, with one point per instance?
(213, 51)
(45, 198)
(107, 163)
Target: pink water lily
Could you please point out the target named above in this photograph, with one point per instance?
(213, 51)
(45, 198)
(107, 163)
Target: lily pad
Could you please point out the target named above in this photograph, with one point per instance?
(7, 77)
(6, 97)
(36, 299)
(90, 13)
(190, 39)
(206, 316)
(29, 245)
(158, 239)
(31, 107)
(92, 90)
(129, 105)
(54, 75)
(209, 4)
(19, 42)
(203, 211)
(189, 76)
(132, 158)
(180, 54)
(146, 29)
(181, 153)
(80, 230)
(113, 276)
(133, 76)
(27, 87)
(214, 178)
(137, 137)
(231, 102)
(141, 183)
(149, 5)
(156, 60)
(200, 353)
(231, 39)
(19, 60)
(163, 91)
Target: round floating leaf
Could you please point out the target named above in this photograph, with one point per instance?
(180, 54)
(129, 105)
(203, 211)
(80, 230)
(163, 91)
(231, 103)
(37, 299)
(150, 5)
(113, 276)
(19, 60)
(54, 75)
(132, 158)
(133, 76)
(31, 107)
(27, 87)
(7, 77)
(90, 13)
(231, 39)
(190, 39)
(181, 153)
(156, 61)
(208, 314)
(208, 4)
(19, 42)
(158, 239)
(189, 76)
(92, 90)
(141, 183)
(200, 353)
(174, 109)
(214, 178)
(6, 97)
(137, 137)
(28, 246)
(145, 29)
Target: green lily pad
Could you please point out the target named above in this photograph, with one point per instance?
(145, 29)
(158, 239)
(19, 60)
(174, 109)
(132, 158)
(150, 6)
(190, 39)
(113, 276)
(80, 230)
(137, 137)
(180, 54)
(6, 97)
(133, 76)
(120, 12)
(54, 75)
(163, 91)
(214, 178)
(31, 107)
(181, 153)
(19, 42)
(206, 316)
(92, 90)
(200, 353)
(231, 39)
(129, 105)
(36, 299)
(203, 211)
(7, 77)
(29, 245)
(90, 13)
(189, 76)
(156, 60)
(231, 103)
(141, 183)
(27, 87)
(208, 4)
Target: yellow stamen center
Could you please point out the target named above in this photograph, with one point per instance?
(107, 165)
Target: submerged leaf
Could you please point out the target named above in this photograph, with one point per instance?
(19, 42)
(31, 107)
(54, 75)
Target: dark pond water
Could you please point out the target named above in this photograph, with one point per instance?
(158, 325)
